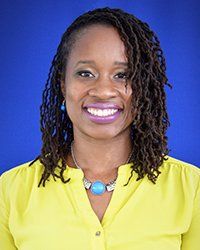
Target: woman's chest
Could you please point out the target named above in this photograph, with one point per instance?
(141, 220)
(99, 203)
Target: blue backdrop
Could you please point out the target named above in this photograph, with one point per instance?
(29, 34)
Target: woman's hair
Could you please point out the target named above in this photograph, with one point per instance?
(147, 75)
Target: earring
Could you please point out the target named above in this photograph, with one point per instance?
(62, 107)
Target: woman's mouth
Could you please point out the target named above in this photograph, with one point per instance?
(102, 112)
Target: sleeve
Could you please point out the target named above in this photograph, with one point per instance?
(191, 239)
(6, 239)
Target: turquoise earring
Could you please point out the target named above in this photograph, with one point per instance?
(62, 107)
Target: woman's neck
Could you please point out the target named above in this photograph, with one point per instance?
(100, 157)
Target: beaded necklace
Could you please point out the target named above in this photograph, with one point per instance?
(97, 187)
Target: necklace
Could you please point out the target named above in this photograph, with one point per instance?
(97, 187)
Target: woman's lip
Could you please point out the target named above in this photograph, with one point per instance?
(102, 119)
(103, 105)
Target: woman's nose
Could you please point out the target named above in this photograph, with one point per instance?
(103, 88)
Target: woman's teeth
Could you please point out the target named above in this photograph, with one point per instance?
(102, 112)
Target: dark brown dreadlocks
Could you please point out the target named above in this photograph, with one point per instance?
(147, 75)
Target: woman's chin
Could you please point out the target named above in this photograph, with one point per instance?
(104, 133)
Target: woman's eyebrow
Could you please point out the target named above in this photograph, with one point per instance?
(85, 62)
(121, 63)
(92, 62)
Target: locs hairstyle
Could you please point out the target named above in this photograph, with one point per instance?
(146, 66)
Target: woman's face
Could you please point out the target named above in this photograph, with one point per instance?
(97, 99)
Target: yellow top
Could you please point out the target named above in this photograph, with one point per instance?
(141, 216)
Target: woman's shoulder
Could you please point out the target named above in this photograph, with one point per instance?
(179, 171)
(26, 172)
(178, 165)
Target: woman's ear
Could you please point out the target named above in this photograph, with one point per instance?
(63, 87)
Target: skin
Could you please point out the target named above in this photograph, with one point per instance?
(99, 148)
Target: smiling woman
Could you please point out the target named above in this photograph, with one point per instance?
(104, 172)
(95, 90)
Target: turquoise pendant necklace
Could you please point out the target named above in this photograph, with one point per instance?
(97, 187)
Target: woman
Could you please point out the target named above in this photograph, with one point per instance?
(104, 179)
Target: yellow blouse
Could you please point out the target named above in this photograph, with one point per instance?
(141, 215)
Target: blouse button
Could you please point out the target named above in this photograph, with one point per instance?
(98, 233)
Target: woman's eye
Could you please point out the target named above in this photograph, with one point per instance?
(85, 74)
(122, 75)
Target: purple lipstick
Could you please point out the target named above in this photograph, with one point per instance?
(102, 112)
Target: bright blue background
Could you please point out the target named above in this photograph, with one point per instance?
(29, 34)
